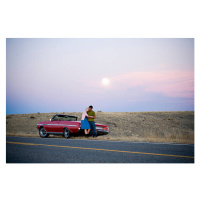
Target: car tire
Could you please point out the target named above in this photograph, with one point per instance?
(43, 133)
(66, 132)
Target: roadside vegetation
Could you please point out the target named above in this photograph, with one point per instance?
(176, 127)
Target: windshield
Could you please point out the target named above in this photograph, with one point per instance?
(64, 118)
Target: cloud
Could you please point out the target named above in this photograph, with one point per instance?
(175, 83)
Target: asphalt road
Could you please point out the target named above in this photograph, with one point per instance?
(61, 150)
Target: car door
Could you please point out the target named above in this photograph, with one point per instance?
(52, 126)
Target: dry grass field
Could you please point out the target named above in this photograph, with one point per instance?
(176, 127)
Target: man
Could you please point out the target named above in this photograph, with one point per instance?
(91, 121)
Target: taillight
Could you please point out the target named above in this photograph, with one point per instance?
(106, 128)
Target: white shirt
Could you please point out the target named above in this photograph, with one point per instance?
(83, 115)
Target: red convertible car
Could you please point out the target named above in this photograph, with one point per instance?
(65, 125)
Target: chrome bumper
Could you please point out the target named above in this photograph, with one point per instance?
(100, 131)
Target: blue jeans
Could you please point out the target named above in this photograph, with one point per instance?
(93, 128)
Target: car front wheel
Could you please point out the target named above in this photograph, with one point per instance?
(43, 133)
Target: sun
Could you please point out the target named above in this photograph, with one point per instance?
(105, 81)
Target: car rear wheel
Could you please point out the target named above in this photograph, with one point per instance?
(66, 132)
(43, 133)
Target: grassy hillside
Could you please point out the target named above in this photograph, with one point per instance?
(126, 126)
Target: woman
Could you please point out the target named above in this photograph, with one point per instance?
(84, 122)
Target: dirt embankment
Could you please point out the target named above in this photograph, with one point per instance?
(175, 127)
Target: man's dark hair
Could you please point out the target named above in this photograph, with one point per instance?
(90, 106)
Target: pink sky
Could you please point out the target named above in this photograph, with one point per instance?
(56, 75)
(175, 83)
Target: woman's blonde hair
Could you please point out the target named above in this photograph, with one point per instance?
(86, 109)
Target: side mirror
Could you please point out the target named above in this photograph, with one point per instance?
(50, 120)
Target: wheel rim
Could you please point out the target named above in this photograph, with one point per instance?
(42, 132)
(66, 133)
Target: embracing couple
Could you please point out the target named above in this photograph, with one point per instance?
(87, 122)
